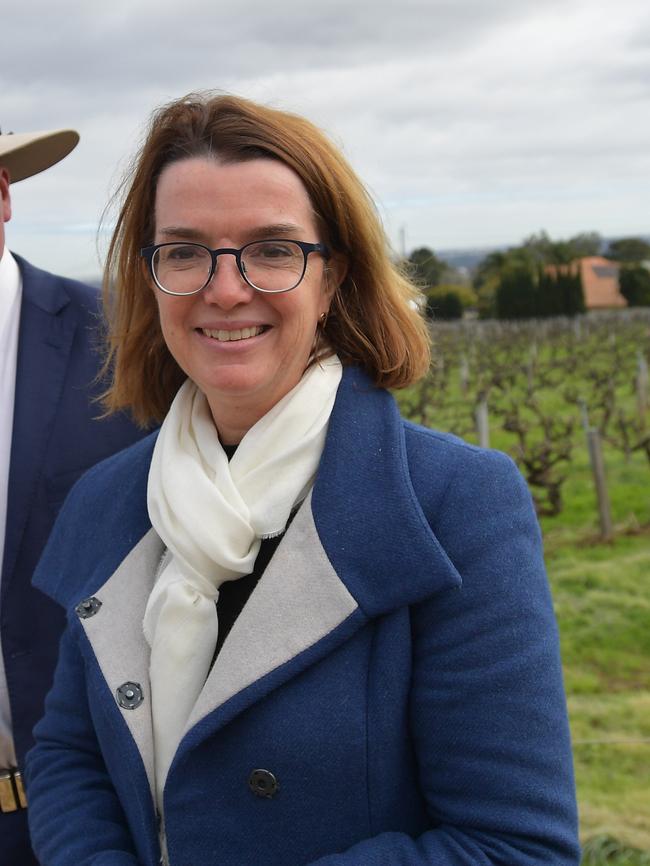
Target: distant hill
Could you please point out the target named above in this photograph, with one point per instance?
(470, 257)
(467, 258)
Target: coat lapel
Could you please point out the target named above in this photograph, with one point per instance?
(367, 514)
(298, 601)
(46, 330)
(116, 637)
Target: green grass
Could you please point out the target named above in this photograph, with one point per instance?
(629, 494)
(604, 851)
(602, 599)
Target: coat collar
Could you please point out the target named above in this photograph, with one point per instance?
(365, 506)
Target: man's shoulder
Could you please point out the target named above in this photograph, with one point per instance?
(107, 480)
(80, 294)
(103, 517)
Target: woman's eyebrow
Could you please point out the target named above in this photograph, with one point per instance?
(273, 230)
(189, 234)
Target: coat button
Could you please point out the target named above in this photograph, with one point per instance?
(88, 607)
(129, 695)
(263, 783)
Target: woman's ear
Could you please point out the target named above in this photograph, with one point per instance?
(146, 276)
(336, 269)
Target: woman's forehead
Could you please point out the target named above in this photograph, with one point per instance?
(261, 176)
(202, 191)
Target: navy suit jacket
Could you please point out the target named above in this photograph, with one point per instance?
(56, 436)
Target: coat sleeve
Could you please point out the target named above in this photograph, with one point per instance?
(488, 716)
(74, 813)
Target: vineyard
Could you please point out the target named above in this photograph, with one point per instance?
(536, 387)
(568, 400)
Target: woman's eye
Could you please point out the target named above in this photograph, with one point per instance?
(275, 251)
(183, 253)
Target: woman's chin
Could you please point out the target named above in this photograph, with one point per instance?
(241, 384)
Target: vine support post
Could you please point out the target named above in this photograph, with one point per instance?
(464, 374)
(598, 469)
(642, 389)
(483, 423)
(584, 414)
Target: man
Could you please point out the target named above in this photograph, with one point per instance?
(49, 434)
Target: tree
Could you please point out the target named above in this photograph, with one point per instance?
(586, 244)
(534, 279)
(490, 271)
(560, 291)
(446, 305)
(547, 290)
(634, 282)
(466, 293)
(629, 250)
(485, 282)
(574, 293)
(489, 268)
(450, 300)
(543, 250)
(517, 292)
(427, 268)
(563, 252)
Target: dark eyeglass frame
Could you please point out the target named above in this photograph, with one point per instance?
(149, 252)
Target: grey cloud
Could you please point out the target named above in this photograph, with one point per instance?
(453, 111)
(156, 42)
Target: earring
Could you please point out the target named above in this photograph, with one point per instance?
(322, 320)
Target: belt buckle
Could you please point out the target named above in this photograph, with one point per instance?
(12, 791)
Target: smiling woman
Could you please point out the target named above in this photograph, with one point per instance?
(226, 204)
(301, 630)
(370, 321)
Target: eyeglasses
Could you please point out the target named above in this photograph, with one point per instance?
(272, 266)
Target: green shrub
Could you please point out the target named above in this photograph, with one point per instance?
(445, 306)
(635, 285)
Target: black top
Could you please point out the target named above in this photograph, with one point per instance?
(234, 594)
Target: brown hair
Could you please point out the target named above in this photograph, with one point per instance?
(373, 321)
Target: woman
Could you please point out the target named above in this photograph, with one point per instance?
(379, 681)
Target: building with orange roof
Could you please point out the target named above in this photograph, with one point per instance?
(600, 283)
(599, 279)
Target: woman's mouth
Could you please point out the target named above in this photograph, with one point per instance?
(230, 336)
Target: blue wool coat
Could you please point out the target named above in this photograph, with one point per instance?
(396, 669)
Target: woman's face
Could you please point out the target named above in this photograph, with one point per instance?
(244, 349)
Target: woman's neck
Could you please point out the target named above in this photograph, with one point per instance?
(234, 421)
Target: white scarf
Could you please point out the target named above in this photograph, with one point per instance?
(211, 515)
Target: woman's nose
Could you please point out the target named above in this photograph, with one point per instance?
(227, 288)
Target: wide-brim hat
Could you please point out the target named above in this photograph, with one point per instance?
(27, 153)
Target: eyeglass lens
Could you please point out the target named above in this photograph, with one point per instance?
(272, 266)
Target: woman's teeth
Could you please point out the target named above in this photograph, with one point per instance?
(227, 336)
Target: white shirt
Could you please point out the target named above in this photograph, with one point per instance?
(10, 298)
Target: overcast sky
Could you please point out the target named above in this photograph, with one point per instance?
(473, 122)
